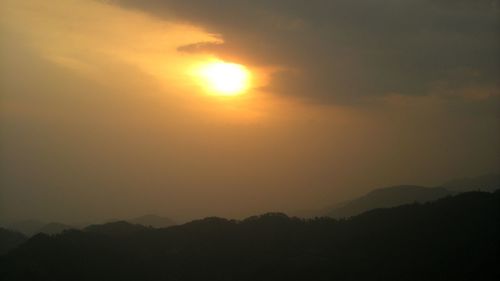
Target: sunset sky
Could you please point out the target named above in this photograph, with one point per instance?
(113, 109)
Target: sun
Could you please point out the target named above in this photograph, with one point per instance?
(224, 78)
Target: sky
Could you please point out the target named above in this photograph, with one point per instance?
(102, 116)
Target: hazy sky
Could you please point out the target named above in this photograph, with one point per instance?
(101, 117)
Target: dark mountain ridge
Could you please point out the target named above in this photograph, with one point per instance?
(488, 183)
(388, 197)
(54, 228)
(10, 239)
(454, 238)
(406, 194)
(26, 227)
(152, 221)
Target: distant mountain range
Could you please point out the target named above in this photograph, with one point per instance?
(26, 227)
(10, 239)
(404, 194)
(54, 228)
(115, 228)
(152, 221)
(379, 198)
(454, 238)
(32, 227)
(488, 183)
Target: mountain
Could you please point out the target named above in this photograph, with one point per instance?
(454, 238)
(10, 239)
(32, 227)
(118, 228)
(388, 197)
(488, 183)
(152, 221)
(54, 228)
(27, 227)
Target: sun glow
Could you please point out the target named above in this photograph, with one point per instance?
(225, 79)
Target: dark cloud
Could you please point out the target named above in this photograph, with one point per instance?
(347, 50)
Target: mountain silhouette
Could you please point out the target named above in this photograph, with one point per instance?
(32, 227)
(115, 228)
(454, 238)
(488, 183)
(10, 239)
(152, 221)
(27, 227)
(54, 228)
(387, 197)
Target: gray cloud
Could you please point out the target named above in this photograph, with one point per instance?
(351, 50)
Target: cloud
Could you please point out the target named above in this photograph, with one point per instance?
(339, 50)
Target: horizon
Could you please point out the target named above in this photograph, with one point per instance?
(304, 214)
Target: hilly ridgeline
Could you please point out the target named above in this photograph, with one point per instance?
(406, 194)
(455, 238)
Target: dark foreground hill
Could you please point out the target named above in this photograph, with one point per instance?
(10, 239)
(455, 238)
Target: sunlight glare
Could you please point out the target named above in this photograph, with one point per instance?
(225, 79)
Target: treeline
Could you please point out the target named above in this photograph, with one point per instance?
(455, 238)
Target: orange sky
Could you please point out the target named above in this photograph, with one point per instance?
(101, 117)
